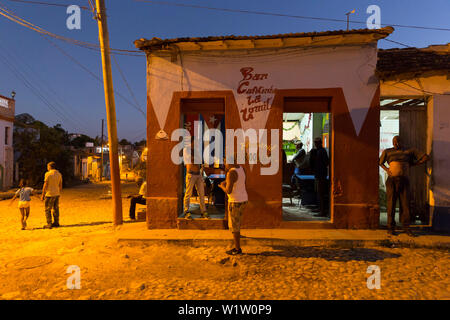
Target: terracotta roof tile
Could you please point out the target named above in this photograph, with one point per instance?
(156, 42)
(411, 62)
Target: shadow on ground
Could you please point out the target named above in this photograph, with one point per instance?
(82, 224)
(330, 254)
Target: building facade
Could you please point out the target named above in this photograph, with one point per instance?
(415, 83)
(7, 111)
(248, 83)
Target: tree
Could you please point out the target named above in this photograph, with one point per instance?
(36, 144)
(124, 142)
(80, 142)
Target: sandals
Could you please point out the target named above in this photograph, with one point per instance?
(234, 251)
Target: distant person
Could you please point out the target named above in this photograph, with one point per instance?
(298, 159)
(397, 184)
(139, 198)
(234, 187)
(50, 195)
(24, 194)
(194, 178)
(319, 163)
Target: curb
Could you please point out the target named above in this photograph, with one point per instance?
(330, 243)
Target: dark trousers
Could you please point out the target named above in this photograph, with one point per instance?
(397, 188)
(52, 204)
(322, 195)
(134, 200)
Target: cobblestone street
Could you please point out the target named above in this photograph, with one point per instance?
(33, 264)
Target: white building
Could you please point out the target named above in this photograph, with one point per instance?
(7, 107)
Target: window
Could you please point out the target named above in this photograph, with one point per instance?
(6, 135)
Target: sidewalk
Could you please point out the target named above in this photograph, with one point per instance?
(137, 233)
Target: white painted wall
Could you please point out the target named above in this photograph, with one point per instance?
(350, 68)
(3, 124)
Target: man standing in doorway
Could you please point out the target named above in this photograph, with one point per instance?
(298, 159)
(193, 178)
(319, 163)
(397, 184)
(50, 194)
(234, 187)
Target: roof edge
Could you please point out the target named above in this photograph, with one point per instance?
(160, 44)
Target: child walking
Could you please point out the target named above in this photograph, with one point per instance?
(24, 194)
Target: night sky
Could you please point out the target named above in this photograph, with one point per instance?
(77, 98)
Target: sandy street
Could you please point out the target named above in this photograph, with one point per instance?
(33, 263)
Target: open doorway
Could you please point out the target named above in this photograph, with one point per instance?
(306, 162)
(408, 119)
(197, 116)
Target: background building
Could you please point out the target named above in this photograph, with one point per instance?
(7, 110)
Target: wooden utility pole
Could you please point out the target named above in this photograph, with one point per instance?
(110, 112)
(101, 165)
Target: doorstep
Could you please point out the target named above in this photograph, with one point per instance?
(138, 233)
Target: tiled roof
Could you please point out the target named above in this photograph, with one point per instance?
(413, 61)
(160, 43)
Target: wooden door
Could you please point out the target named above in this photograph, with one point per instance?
(413, 132)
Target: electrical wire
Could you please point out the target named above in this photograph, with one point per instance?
(127, 85)
(11, 16)
(93, 74)
(177, 4)
(41, 84)
(19, 75)
(47, 3)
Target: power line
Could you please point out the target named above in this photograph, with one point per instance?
(402, 44)
(92, 74)
(128, 86)
(11, 16)
(176, 4)
(19, 75)
(47, 4)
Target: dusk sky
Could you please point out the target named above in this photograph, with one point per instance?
(79, 98)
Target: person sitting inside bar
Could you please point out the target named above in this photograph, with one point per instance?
(399, 159)
(194, 177)
(139, 198)
(298, 159)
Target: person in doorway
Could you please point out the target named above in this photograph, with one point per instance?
(234, 187)
(24, 194)
(139, 198)
(319, 163)
(298, 159)
(194, 178)
(399, 159)
(50, 195)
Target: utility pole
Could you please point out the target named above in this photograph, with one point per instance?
(348, 18)
(101, 165)
(110, 112)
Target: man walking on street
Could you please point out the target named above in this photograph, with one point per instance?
(50, 195)
(234, 187)
(397, 184)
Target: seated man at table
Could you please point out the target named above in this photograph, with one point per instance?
(139, 198)
(194, 177)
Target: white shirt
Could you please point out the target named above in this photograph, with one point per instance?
(239, 192)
